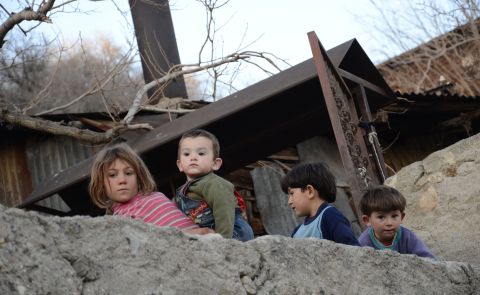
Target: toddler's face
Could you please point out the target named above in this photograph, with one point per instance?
(196, 157)
(384, 224)
(120, 181)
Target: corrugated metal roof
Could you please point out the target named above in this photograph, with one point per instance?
(436, 97)
(49, 155)
(434, 104)
(25, 164)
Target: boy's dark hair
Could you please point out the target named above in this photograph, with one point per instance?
(204, 133)
(317, 175)
(382, 198)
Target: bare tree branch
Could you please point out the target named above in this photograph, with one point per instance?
(59, 129)
(27, 14)
(94, 84)
(175, 72)
(165, 110)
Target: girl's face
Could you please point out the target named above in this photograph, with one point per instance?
(120, 181)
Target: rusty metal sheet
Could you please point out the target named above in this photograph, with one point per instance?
(344, 121)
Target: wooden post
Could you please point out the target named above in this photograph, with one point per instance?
(157, 45)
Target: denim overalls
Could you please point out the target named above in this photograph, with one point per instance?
(202, 214)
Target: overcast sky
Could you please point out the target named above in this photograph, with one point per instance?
(275, 26)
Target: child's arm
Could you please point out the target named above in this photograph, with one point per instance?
(219, 196)
(364, 239)
(343, 234)
(338, 229)
(199, 231)
(417, 246)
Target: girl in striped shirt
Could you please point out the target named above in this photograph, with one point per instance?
(121, 183)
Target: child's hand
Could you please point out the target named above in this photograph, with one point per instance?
(200, 231)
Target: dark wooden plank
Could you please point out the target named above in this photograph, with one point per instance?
(157, 45)
(346, 75)
(47, 210)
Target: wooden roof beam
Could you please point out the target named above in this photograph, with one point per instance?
(349, 76)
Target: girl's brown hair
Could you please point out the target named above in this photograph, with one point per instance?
(102, 162)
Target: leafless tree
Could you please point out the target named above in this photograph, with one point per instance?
(30, 69)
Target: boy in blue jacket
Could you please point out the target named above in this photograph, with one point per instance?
(310, 188)
(383, 210)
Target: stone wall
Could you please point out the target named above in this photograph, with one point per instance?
(108, 255)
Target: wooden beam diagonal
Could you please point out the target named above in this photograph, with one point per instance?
(368, 85)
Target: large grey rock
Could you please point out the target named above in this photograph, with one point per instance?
(108, 255)
(443, 200)
(324, 149)
(277, 217)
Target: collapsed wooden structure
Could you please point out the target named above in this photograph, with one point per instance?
(251, 124)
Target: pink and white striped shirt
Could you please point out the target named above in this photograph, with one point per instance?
(156, 209)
